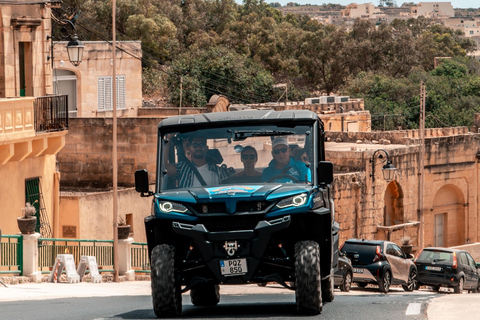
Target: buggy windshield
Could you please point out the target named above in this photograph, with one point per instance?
(237, 155)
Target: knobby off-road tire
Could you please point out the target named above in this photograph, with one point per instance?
(328, 288)
(412, 283)
(205, 295)
(308, 292)
(166, 292)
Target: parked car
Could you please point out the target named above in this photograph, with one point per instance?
(344, 274)
(380, 262)
(444, 267)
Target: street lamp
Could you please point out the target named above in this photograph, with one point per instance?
(388, 169)
(74, 46)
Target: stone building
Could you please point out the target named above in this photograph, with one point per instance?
(33, 124)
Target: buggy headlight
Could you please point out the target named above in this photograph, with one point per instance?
(295, 201)
(168, 206)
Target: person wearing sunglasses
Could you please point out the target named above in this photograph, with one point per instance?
(283, 167)
(249, 158)
(197, 171)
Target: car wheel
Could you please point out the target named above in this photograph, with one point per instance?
(327, 289)
(166, 291)
(459, 287)
(477, 289)
(262, 284)
(347, 282)
(205, 295)
(362, 284)
(412, 281)
(385, 282)
(308, 291)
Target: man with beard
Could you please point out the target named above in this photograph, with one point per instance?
(197, 172)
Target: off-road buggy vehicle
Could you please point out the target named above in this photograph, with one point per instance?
(239, 229)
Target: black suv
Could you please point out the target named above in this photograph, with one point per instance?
(380, 262)
(443, 267)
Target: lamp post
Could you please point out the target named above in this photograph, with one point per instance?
(388, 169)
(74, 46)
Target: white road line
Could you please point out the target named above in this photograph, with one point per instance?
(413, 309)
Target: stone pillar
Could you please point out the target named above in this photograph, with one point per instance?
(30, 257)
(124, 259)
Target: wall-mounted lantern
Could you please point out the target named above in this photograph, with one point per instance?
(388, 169)
(74, 46)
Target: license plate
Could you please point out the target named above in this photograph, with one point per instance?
(433, 268)
(233, 267)
(357, 270)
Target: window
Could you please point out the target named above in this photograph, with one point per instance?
(105, 91)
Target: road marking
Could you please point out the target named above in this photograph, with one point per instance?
(413, 309)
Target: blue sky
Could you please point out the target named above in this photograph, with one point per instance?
(455, 3)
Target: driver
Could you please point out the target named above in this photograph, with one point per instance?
(284, 167)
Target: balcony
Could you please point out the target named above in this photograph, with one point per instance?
(51, 113)
(32, 127)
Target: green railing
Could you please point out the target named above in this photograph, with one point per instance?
(139, 260)
(11, 255)
(49, 248)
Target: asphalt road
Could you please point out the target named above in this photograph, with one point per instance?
(273, 303)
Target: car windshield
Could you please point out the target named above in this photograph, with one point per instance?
(237, 155)
(429, 256)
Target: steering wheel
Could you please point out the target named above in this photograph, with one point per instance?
(284, 176)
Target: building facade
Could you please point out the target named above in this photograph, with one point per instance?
(33, 125)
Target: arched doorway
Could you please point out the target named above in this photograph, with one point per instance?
(393, 205)
(445, 223)
(65, 82)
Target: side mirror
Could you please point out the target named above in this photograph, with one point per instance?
(141, 183)
(325, 172)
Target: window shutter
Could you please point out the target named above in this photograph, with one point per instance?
(101, 93)
(121, 92)
(108, 93)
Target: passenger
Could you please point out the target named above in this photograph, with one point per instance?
(198, 171)
(300, 154)
(284, 167)
(249, 158)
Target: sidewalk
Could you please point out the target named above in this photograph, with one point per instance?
(454, 306)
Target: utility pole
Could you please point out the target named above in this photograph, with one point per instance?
(181, 95)
(114, 145)
(421, 166)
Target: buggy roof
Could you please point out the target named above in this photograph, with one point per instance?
(238, 117)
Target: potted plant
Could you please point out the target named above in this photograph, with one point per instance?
(123, 229)
(406, 244)
(27, 223)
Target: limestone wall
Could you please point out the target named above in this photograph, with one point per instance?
(86, 160)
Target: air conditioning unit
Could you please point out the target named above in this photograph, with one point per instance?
(327, 99)
(312, 100)
(341, 99)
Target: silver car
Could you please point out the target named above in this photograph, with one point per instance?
(382, 263)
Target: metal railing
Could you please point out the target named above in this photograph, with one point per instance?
(49, 248)
(51, 113)
(139, 260)
(11, 254)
